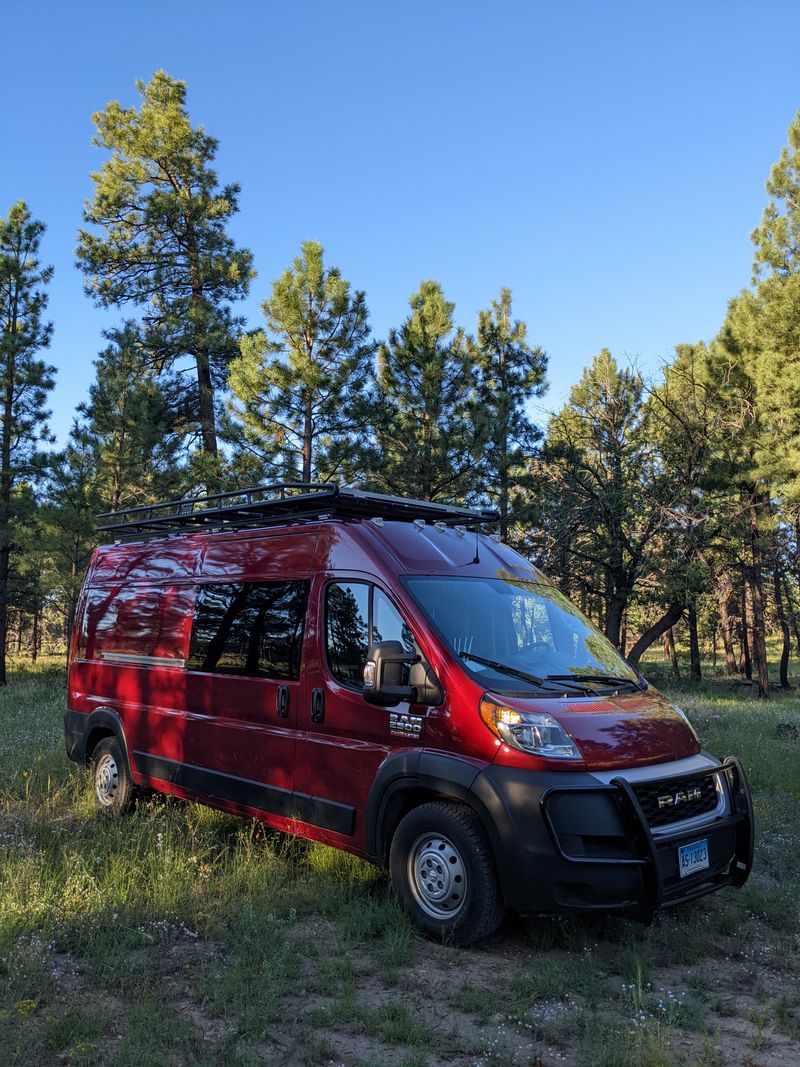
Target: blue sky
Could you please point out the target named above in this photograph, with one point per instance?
(605, 161)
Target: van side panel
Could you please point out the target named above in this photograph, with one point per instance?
(136, 620)
(151, 561)
(247, 557)
(129, 655)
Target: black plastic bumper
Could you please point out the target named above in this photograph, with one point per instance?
(567, 842)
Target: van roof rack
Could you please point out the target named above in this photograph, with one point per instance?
(265, 505)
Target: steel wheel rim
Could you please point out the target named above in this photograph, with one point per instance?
(106, 780)
(437, 876)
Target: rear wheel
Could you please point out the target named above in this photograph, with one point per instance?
(443, 872)
(113, 787)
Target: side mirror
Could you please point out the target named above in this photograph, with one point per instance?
(392, 674)
(386, 673)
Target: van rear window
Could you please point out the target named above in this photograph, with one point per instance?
(253, 628)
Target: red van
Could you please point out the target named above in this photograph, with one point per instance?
(377, 674)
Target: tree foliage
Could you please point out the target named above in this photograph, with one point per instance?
(25, 381)
(300, 397)
(512, 373)
(602, 504)
(429, 440)
(158, 238)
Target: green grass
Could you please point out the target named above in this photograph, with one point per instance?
(179, 935)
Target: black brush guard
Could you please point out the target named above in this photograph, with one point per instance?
(648, 849)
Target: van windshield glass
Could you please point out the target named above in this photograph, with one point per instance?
(528, 627)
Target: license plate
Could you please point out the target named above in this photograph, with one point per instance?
(693, 857)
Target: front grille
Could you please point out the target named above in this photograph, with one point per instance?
(674, 800)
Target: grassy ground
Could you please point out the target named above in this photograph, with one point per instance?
(181, 936)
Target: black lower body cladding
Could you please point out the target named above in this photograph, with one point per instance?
(566, 841)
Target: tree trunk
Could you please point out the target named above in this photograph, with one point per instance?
(661, 626)
(308, 437)
(784, 625)
(755, 583)
(504, 478)
(36, 638)
(4, 554)
(746, 666)
(673, 655)
(791, 612)
(205, 390)
(695, 670)
(616, 607)
(726, 625)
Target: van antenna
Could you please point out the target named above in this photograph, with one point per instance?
(477, 546)
(477, 557)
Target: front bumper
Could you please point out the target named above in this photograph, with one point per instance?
(568, 842)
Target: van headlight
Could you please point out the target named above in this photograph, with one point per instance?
(528, 731)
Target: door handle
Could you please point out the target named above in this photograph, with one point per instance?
(282, 701)
(317, 705)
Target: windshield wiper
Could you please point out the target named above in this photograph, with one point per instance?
(540, 683)
(608, 679)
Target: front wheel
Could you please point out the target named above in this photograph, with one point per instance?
(443, 872)
(113, 787)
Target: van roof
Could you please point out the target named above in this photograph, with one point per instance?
(328, 528)
(299, 547)
(275, 504)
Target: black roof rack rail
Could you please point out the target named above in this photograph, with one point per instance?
(264, 505)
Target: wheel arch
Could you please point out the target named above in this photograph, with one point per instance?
(105, 722)
(409, 779)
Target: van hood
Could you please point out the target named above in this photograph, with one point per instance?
(629, 730)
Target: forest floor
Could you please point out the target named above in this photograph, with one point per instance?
(178, 935)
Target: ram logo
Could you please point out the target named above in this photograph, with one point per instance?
(683, 796)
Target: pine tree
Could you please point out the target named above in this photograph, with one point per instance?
(301, 388)
(767, 322)
(429, 439)
(25, 382)
(512, 372)
(734, 359)
(683, 420)
(74, 499)
(599, 500)
(159, 240)
(131, 426)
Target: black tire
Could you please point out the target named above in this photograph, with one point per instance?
(114, 791)
(443, 873)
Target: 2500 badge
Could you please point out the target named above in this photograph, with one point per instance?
(404, 725)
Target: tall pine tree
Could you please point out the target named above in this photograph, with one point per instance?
(68, 517)
(158, 239)
(428, 436)
(25, 381)
(512, 372)
(599, 499)
(132, 430)
(301, 387)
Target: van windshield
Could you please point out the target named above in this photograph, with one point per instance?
(513, 635)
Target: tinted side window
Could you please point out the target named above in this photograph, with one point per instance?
(387, 624)
(357, 614)
(249, 628)
(347, 624)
